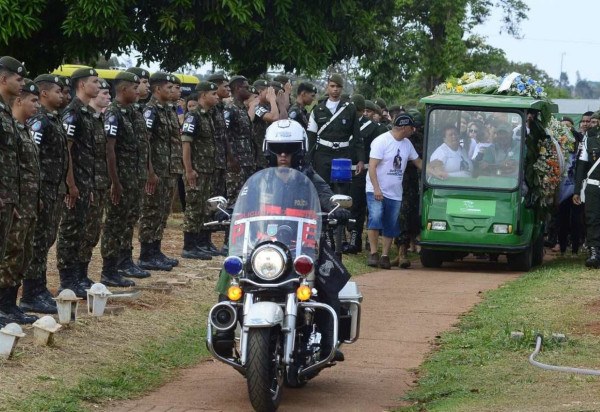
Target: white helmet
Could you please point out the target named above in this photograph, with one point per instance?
(285, 136)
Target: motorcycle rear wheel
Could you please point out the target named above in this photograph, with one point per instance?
(263, 374)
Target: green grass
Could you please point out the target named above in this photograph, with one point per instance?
(479, 367)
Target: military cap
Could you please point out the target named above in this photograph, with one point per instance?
(30, 87)
(205, 86)
(276, 85)
(395, 108)
(237, 78)
(260, 84)
(253, 90)
(596, 115)
(103, 84)
(161, 77)
(281, 78)
(176, 79)
(309, 87)
(66, 81)
(381, 103)
(369, 105)
(404, 120)
(13, 65)
(49, 78)
(83, 72)
(141, 73)
(128, 77)
(337, 79)
(217, 78)
(359, 101)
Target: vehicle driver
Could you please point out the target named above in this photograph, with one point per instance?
(450, 159)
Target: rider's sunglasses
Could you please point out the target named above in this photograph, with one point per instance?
(287, 148)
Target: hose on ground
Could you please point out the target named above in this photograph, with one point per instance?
(538, 347)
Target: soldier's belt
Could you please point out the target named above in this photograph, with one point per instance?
(593, 182)
(332, 145)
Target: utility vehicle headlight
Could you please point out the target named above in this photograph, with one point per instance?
(500, 228)
(438, 225)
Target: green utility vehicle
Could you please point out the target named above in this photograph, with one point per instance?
(473, 187)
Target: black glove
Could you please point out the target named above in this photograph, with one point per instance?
(341, 215)
(222, 216)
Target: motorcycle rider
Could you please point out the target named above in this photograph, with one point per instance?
(286, 146)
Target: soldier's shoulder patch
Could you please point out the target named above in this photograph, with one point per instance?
(226, 113)
(148, 112)
(69, 117)
(189, 118)
(293, 114)
(36, 125)
(111, 118)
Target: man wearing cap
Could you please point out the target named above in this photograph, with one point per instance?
(66, 87)
(305, 95)
(266, 112)
(122, 155)
(93, 224)
(144, 88)
(160, 126)
(385, 115)
(19, 244)
(243, 161)
(199, 159)
(176, 116)
(223, 152)
(334, 131)
(48, 133)
(389, 155)
(78, 121)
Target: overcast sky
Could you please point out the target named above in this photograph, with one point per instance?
(555, 29)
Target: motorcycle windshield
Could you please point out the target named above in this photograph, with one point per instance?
(276, 204)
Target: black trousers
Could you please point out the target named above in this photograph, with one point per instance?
(568, 221)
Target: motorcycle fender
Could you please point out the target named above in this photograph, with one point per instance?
(264, 314)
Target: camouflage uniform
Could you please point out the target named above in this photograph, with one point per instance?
(259, 130)
(176, 165)
(93, 224)
(299, 114)
(153, 206)
(19, 246)
(218, 184)
(78, 121)
(199, 130)
(240, 134)
(119, 121)
(49, 135)
(9, 172)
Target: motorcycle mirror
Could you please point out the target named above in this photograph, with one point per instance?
(342, 200)
(217, 203)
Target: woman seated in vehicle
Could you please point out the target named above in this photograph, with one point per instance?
(502, 157)
(450, 159)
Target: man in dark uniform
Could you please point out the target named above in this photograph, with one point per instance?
(48, 133)
(334, 131)
(78, 121)
(587, 174)
(199, 160)
(305, 95)
(160, 125)
(265, 113)
(122, 155)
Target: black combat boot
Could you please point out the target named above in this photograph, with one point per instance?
(46, 293)
(82, 275)
(594, 260)
(110, 274)
(149, 260)
(225, 248)
(190, 250)
(127, 268)
(8, 305)
(355, 243)
(214, 251)
(164, 258)
(34, 299)
(68, 280)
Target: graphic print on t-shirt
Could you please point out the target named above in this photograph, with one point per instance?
(398, 160)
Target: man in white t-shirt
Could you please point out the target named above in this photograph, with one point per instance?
(390, 152)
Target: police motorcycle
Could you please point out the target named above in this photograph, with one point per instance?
(276, 257)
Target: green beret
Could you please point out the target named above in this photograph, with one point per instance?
(103, 84)
(66, 81)
(161, 77)
(253, 90)
(359, 102)
(49, 78)
(237, 78)
(276, 85)
(281, 78)
(395, 108)
(30, 87)
(337, 79)
(260, 84)
(309, 87)
(13, 65)
(205, 86)
(128, 77)
(369, 105)
(83, 72)
(381, 103)
(217, 78)
(141, 73)
(176, 80)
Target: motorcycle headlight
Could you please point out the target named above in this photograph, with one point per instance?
(268, 262)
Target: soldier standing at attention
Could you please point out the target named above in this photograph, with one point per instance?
(67, 84)
(48, 133)
(160, 124)
(334, 131)
(19, 243)
(122, 155)
(93, 224)
(588, 171)
(178, 105)
(199, 160)
(305, 95)
(243, 159)
(78, 121)
(146, 178)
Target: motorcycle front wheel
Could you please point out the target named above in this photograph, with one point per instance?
(263, 373)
